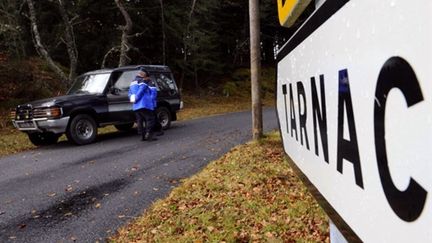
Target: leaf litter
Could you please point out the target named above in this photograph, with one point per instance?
(249, 195)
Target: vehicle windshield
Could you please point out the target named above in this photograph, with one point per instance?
(90, 84)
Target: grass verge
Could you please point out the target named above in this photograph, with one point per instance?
(196, 107)
(248, 195)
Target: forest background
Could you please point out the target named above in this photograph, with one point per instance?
(45, 44)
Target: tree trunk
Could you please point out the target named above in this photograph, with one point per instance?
(254, 19)
(70, 41)
(40, 48)
(186, 36)
(126, 29)
(163, 33)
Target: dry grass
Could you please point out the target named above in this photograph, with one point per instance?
(195, 107)
(248, 195)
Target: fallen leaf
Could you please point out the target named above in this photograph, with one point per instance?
(52, 194)
(22, 226)
(69, 188)
(269, 235)
(67, 214)
(121, 216)
(98, 205)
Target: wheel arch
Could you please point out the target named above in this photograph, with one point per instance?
(82, 110)
(168, 106)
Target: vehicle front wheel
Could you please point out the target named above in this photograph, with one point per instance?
(164, 117)
(45, 138)
(82, 130)
(124, 127)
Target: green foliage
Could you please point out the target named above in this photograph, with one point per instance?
(229, 88)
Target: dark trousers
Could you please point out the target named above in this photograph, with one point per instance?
(147, 116)
(157, 127)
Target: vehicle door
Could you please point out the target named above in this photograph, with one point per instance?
(167, 89)
(119, 107)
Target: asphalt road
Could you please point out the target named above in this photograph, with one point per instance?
(66, 193)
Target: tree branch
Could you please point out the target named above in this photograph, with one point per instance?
(69, 41)
(115, 48)
(126, 29)
(40, 48)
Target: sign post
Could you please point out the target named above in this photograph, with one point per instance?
(354, 102)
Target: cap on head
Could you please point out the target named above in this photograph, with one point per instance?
(142, 69)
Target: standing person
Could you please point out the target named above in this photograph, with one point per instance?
(158, 126)
(141, 95)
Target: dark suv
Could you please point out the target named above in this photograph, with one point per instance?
(96, 99)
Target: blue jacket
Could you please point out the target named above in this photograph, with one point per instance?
(142, 95)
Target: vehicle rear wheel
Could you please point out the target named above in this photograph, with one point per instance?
(164, 117)
(82, 130)
(45, 138)
(124, 127)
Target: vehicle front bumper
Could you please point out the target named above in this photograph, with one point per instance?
(42, 125)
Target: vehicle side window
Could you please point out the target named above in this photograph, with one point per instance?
(124, 80)
(165, 82)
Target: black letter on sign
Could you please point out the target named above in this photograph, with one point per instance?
(347, 149)
(302, 116)
(397, 73)
(320, 116)
(284, 92)
(293, 117)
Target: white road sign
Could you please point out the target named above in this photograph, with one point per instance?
(354, 101)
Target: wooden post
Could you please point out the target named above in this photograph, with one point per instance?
(255, 56)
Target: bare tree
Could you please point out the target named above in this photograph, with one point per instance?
(126, 29)
(186, 38)
(163, 32)
(40, 48)
(70, 41)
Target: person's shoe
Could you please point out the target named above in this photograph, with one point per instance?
(149, 137)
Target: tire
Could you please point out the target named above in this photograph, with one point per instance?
(124, 127)
(82, 130)
(163, 116)
(46, 138)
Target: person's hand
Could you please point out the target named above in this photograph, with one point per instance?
(132, 99)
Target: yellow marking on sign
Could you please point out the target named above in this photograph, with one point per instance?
(290, 10)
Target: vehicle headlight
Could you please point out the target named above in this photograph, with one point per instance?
(47, 112)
